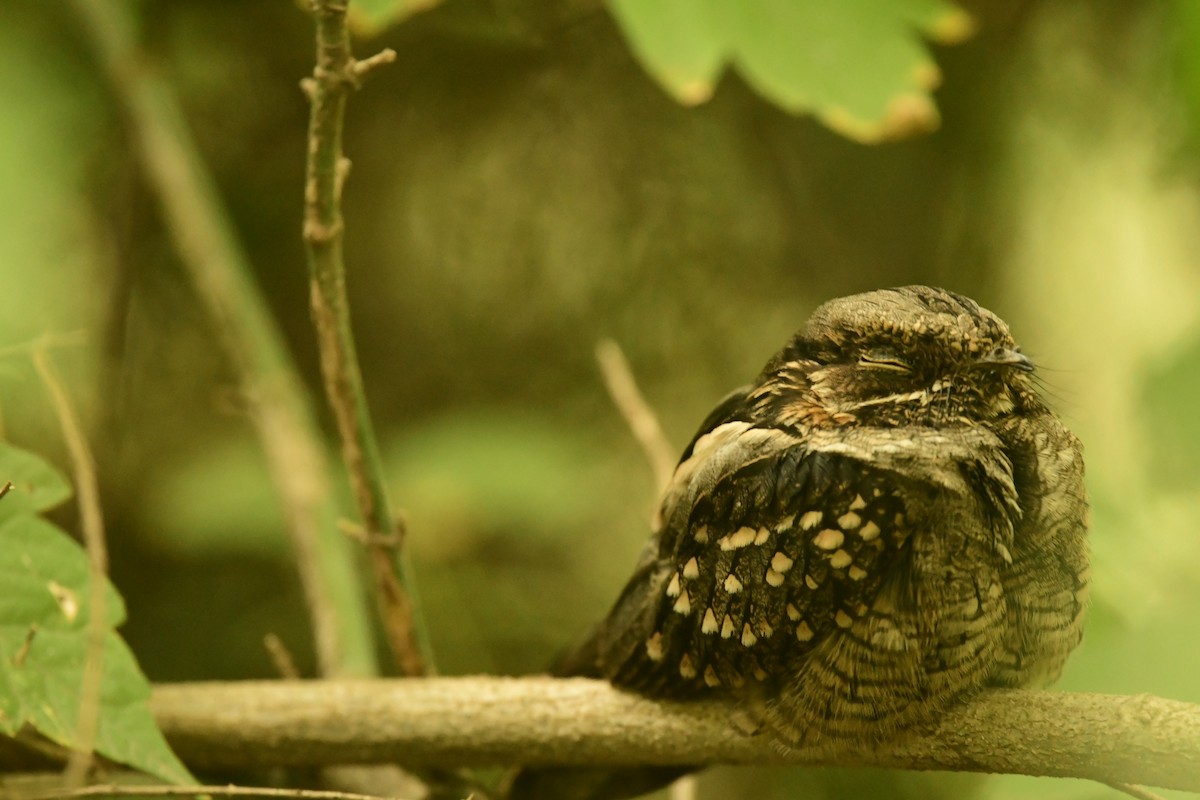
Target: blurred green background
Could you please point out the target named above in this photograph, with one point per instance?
(522, 189)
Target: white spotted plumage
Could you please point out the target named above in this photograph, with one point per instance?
(887, 520)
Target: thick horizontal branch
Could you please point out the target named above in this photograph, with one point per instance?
(483, 721)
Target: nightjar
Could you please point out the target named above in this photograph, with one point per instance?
(887, 520)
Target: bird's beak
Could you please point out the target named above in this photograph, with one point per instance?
(1007, 357)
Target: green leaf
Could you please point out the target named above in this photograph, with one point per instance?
(44, 613)
(37, 486)
(857, 65)
(680, 42)
(369, 17)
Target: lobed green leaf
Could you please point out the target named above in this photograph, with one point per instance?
(857, 65)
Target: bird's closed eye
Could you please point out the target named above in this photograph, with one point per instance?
(884, 359)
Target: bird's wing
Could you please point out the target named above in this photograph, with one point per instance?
(767, 546)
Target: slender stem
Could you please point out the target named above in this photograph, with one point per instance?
(281, 657)
(140, 790)
(642, 421)
(91, 523)
(221, 274)
(683, 789)
(335, 75)
(1134, 791)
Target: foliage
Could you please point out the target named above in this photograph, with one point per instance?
(44, 617)
(856, 66)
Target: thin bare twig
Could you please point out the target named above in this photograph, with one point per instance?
(1133, 791)
(141, 790)
(336, 73)
(6, 488)
(281, 657)
(623, 389)
(220, 272)
(683, 789)
(361, 68)
(91, 523)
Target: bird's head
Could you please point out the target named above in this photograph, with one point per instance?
(913, 355)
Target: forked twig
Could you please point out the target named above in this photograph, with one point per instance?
(336, 73)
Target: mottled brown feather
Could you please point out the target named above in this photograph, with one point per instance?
(888, 519)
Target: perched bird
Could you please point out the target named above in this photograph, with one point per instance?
(887, 520)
